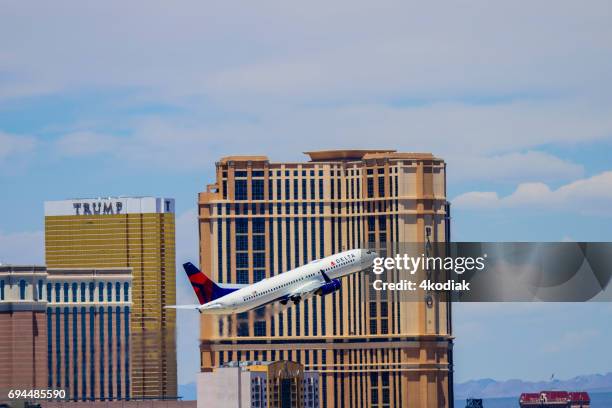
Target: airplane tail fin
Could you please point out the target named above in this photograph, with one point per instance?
(206, 289)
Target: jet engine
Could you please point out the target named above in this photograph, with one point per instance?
(329, 287)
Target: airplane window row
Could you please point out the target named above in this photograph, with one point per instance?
(295, 280)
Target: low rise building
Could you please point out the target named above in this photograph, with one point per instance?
(278, 384)
(557, 399)
(67, 330)
(23, 334)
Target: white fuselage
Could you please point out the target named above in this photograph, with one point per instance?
(296, 283)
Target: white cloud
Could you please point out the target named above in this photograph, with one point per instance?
(592, 195)
(12, 145)
(513, 167)
(272, 78)
(459, 133)
(85, 143)
(317, 49)
(476, 200)
(22, 248)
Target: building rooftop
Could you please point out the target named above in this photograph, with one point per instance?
(226, 159)
(109, 206)
(338, 155)
(29, 267)
(341, 154)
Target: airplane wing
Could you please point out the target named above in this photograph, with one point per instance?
(310, 287)
(188, 307)
(306, 289)
(232, 285)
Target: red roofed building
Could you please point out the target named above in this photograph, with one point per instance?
(529, 400)
(579, 399)
(561, 399)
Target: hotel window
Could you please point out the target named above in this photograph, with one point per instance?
(83, 352)
(312, 189)
(259, 226)
(373, 309)
(101, 353)
(382, 224)
(117, 291)
(126, 291)
(92, 287)
(258, 275)
(372, 326)
(82, 291)
(259, 242)
(240, 173)
(57, 292)
(240, 190)
(370, 187)
(278, 189)
(257, 173)
(258, 189)
(381, 186)
(243, 329)
(259, 260)
(101, 291)
(242, 276)
(242, 260)
(242, 242)
(287, 189)
(1, 290)
(66, 292)
(49, 286)
(74, 292)
(40, 290)
(260, 328)
(242, 225)
(22, 289)
(396, 187)
(384, 326)
(92, 314)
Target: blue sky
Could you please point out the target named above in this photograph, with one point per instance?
(141, 99)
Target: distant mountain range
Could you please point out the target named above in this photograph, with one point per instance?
(489, 388)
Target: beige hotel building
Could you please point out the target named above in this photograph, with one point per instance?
(260, 218)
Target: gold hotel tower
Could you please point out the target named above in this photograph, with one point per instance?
(261, 218)
(127, 232)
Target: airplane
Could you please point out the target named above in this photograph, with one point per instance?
(319, 277)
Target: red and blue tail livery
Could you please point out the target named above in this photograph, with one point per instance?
(206, 290)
